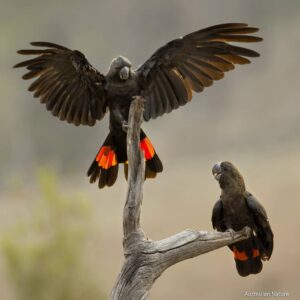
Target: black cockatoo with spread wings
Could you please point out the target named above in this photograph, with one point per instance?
(73, 90)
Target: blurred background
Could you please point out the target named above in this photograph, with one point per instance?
(60, 237)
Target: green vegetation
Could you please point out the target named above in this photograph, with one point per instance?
(44, 255)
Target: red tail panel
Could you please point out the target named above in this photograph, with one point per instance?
(106, 157)
(147, 147)
(241, 255)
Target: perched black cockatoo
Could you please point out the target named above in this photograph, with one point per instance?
(73, 90)
(236, 209)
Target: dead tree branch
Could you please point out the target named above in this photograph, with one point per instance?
(146, 260)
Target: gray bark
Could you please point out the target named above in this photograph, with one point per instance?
(145, 260)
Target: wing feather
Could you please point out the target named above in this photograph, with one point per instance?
(190, 63)
(263, 229)
(178, 85)
(192, 79)
(217, 216)
(163, 91)
(71, 88)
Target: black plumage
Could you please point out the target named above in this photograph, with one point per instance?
(73, 90)
(236, 209)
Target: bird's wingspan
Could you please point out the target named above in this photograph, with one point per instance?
(192, 63)
(71, 88)
(263, 229)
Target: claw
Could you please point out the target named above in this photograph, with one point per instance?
(125, 126)
(248, 231)
(231, 231)
(140, 98)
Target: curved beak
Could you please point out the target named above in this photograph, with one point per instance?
(217, 171)
(124, 73)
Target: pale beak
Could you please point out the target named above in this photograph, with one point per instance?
(217, 171)
(124, 73)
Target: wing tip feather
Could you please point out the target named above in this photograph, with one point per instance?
(48, 44)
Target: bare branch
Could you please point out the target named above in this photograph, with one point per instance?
(146, 260)
(190, 243)
(132, 209)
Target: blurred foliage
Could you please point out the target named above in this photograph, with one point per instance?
(44, 255)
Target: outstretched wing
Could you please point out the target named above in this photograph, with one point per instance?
(65, 81)
(192, 63)
(263, 229)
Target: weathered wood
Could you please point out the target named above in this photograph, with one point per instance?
(146, 260)
(132, 209)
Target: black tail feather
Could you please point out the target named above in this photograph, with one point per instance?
(93, 172)
(154, 164)
(108, 177)
(105, 166)
(250, 266)
(150, 170)
(247, 256)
